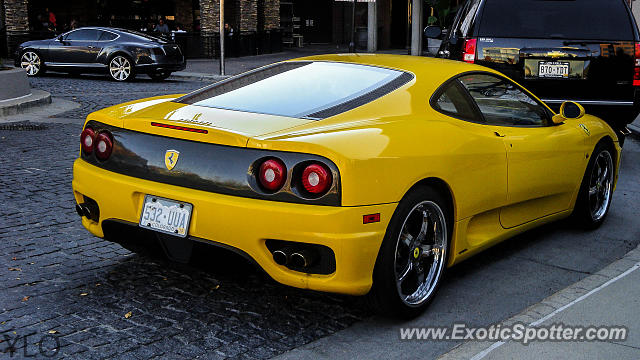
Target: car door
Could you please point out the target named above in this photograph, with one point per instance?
(76, 48)
(482, 156)
(545, 162)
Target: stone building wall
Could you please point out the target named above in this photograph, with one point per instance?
(271, 14)
(184, 14)
(209, 16)
(248, 15)
(16, 18)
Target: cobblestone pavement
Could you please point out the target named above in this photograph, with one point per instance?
(95, 92)
(59, 283)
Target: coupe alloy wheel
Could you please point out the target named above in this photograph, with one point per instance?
(420, 254)
(120, 68)
(31, 63)
(601, 185)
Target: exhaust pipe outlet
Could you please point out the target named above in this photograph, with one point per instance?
(88, 210)
(79, 210)
(282, 256)
(83, 210)
(303, 258)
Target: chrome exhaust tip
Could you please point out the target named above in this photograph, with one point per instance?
(280, 257)
(302, 258)
(85, 210)
(79, 210)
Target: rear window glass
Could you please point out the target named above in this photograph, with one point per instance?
(562, 19)
(301, 89)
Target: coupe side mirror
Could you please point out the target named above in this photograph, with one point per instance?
(569, 110)
(433, 31)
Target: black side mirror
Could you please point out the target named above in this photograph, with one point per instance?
(433, 31)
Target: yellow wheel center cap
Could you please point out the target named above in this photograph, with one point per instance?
(416, 252)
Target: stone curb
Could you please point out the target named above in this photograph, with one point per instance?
(635, 129)
(535, 312)
(20, 105)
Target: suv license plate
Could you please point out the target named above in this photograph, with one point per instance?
(553, 69)
(165, 215)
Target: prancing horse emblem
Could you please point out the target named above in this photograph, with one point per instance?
(171, 158)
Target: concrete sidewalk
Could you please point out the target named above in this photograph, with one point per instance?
(609, 298)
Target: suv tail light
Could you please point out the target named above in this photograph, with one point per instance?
(636, 69)
(316, 178)
(87, 140)
(103, 145)
(272, 174)
(469, 54)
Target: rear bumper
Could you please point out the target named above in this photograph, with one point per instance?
(245, 224)
(160, 67)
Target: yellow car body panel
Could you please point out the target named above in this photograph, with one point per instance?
(502, 180)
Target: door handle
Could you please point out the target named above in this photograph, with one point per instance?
(498, 134)
(91, 47)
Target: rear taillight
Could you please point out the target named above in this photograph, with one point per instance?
(469, 54)
(316, 178)
(636, 69)
(87, 140)
(103, 145)
(272, 174)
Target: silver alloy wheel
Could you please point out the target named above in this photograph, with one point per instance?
(120, 68)
(31, 63)
(420, 253)
(600, 185)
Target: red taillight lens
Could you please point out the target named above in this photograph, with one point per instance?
(316, 178)
(272, 174)
(470, 51)
(87, 140)
(636, 69)
(103, 145)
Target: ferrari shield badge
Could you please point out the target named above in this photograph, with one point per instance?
(171, 158)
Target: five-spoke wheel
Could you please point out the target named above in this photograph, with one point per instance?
(120, 68)
(596, 190)
(601, 185)
(420, 252)
(31, 63)
(414, 253)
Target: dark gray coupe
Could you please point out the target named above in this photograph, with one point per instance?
(120, 53)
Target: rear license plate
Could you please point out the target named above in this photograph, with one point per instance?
(165, 215)
(553, 69)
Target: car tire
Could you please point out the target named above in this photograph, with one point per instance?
(413, 255)
(158, 76)
(596, 189)
(32, 63)
(121, 68)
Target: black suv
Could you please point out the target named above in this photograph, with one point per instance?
(581, 50)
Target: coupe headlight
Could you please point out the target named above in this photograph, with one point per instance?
(158, 51)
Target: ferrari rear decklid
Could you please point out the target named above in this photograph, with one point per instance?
(220, 126)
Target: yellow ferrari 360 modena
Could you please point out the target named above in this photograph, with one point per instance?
(355, 174)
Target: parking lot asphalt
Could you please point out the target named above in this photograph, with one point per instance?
(100, 301)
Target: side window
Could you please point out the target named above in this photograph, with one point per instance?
(82, 35)
(107, 36)
(502, 103)
(454, 102)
